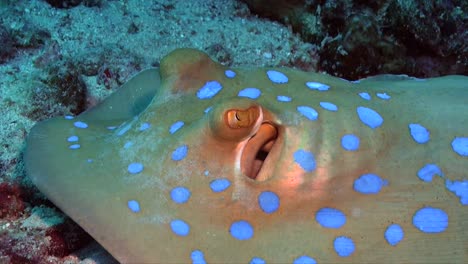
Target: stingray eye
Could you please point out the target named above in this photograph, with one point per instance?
(236, 118)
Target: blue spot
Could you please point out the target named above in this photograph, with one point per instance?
(277, 77)
(241, 230)
(317, 86)
(330, 217)
(269, 202)
(428, 171)
(72, 139)
(350, 142)
(257, 260)
(209, 90)
(430, 220)
(419, 133)
(369, 117)
(305, 159)
(89, 160)
(394, 234)
(128, 144)
(197, 257)
(208, 109)
(369, 184)
(283, 98)
(308, 112)
(206, 172)
(124, 129)
(74, 146)
(135, 168)
(365, 96)
(69, 117)
(329, 106)
(144, 126)
(344, 246)
(230, 74)
(176, 126)
(111, 127)
(460, 189)
(180, 227)
(80, 124)
(180, 153)
(252, 93)
(180, 194)
(219, 185)
(384, 96)
(134, 206)
(460, 146)
(304, 260)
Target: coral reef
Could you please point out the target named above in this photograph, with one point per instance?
(361, 38)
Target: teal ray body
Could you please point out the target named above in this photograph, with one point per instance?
(197, 162)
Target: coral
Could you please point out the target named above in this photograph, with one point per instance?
(73, 3)
(360, 38)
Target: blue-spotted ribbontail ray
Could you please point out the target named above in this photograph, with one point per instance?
(197, 162)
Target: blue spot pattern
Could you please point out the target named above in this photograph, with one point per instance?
(210, 89)
(308, 112)
(80, 124)
(74, 146)
(134, 206)
(365, 96)
(330, 217)
(428, 171)
(394, 234)
(344, 246)
(329, 106)
(459, 188)
(230, 74)
(283, 98)
(269, 202)
(208, 109)
(252, 93)
(69, 117)
(350, 142)
(197, 257)
(176, 126)
(180, 153)
(180, 194)
(219, 185)
(419, 133)
(257, 260)
(277, 77)
(369, 117)
(430, 220)
(144, 126)
(72, 139)
(180, 227)
(317, 86)
(305, 159)
(135, 168)
(128, 144)
(304, 260)
(460, 146)
(384, 96)
(369, 184)
(241, 230)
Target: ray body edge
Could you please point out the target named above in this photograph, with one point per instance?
(204, 163)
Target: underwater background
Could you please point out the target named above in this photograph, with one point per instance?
(62, 57)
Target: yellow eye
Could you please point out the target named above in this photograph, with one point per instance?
(236, 118)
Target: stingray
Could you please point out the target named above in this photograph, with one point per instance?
(196, 162)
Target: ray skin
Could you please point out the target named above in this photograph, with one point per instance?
(196, 162)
